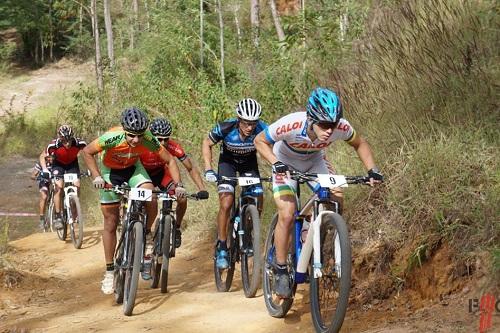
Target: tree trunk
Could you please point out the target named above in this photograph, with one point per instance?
(42, 51)
(201, 33)
(344, 22)
(109, 33)
(98, 60)
(236, 9)
(80, 29)
(135, 20)
(146, 9)
(255, 21)
(51, 33)
(221, 26)
(277, 21)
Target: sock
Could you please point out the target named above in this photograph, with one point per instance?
(282, 269)
(42, 217)
(110, 267)
(222, 244)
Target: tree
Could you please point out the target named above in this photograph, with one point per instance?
(221, 27)
(109, 33)
(236, 7)
(277, 21)
(134, 24)
(255, 21)
(98, 58)
(201, 33)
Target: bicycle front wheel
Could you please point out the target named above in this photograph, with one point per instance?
(50, 214)
(251, 263)
(329, 293)
(166, 247)
(224, 277)
(134, 258)
(276, 306)
(76, 221)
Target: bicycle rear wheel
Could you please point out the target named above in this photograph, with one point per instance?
(63, 232)
(76, 227)
(166, 247)
(50, 214)
(251, 263)
(276, 306)
(155, 258)
(134, 258)
(224, 277)
(329, 293)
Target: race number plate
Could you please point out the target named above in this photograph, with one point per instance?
(246, 181)
(70, 177)
(140, 194)
(326, 180)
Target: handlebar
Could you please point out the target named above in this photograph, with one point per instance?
(263, 179)
(124, 188)
(304, 177)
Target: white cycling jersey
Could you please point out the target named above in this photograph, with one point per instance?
(293, 147)
(289, 136)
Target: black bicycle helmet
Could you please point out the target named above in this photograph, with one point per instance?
(161, 127)
(65, 132)
(134, 120)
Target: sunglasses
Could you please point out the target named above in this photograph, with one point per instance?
(130, 135)
(162, 139)
(326, 126)
(248, 123)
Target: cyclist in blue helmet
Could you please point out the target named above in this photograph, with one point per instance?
(298, 141)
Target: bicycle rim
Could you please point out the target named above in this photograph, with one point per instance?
(330, 293)
(134, 258)
(276, 306)
(76, 228)
(155, 258)
(251, 263)
(224, 277)
(166, 247)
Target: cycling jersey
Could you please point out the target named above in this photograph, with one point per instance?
(152, 161)
(234, 148)
(293, 147)
(63, 155)
(289, 136)
(118, 154)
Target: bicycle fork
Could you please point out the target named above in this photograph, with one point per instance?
(313, 242)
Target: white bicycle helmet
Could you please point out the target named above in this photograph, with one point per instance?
(248, 109)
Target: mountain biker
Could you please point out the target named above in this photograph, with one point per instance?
(237, 154)
(64, 149)
(298, 141)
(160, 175)
(119, 162)
(43, 180)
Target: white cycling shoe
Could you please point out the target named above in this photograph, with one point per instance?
(107, 283)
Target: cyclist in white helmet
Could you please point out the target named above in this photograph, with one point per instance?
(237, 154)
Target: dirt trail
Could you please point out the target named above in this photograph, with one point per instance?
(48, 286)
(34, 88)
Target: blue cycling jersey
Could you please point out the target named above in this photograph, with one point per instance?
(233, 147)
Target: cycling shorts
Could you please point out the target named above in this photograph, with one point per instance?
(230, 169)
(60, 169)
(161, 178)
(134, 175)
(285, 186)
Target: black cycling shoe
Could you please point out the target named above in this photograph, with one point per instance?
(282, 285)
(178, 238)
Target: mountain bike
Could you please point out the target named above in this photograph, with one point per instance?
(323, 260)
(164, 239)
(129, 254)
(243, 239)
(71, 213)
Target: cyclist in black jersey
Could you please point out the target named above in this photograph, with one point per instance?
(237, 155)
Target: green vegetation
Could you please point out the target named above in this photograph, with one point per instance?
(417, 79)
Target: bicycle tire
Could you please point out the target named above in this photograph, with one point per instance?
(277, 307)
(76, 228)
(251, 262)
(119, 275)
(50, 214)
(327, 319)
(165, 249)
(155, 261)
(224, 277)
(63, 232)
(134, 258)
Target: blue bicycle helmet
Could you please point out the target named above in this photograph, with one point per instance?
(323, 106)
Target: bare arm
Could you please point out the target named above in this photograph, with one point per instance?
(172, 166)
(265, 148)
(194, 173)
(88, 155)
(41, 159)
(364, 151)
(206, 150)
